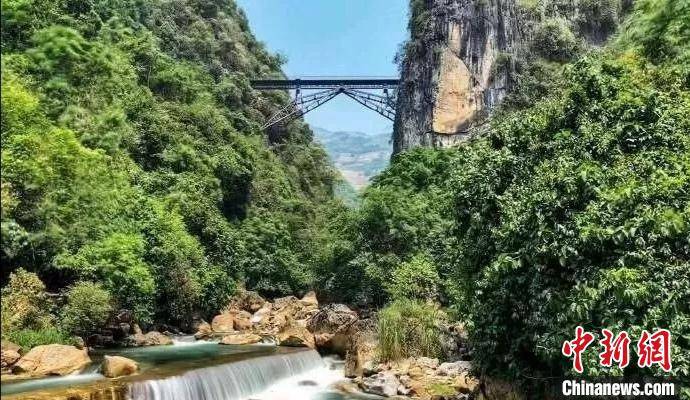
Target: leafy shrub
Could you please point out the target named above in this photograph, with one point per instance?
(599, 18)
(407, 328)
(117, 262)
(25, 303)
(554, 40)
(414, 279)
(88, 308)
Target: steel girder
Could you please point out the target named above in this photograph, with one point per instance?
(300, 105)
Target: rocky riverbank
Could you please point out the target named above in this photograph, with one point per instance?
(287, 321)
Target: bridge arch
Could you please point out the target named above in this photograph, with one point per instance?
(327, 88)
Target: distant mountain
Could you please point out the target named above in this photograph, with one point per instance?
(358, 156)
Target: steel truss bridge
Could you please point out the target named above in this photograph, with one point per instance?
(358, 89)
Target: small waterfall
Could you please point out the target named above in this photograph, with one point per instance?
(233, 381)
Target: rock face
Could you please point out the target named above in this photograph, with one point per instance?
(448, 74)
(116, 366)
(462, 58)
(52, 359)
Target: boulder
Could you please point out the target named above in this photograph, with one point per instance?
(241, 338)
(382, 384)
(100, 340)
(331, 318)
(427, 362)
(52, 359)
(453, 340)
(204, 331)
(116, 366)
(453, 369)
(296, 336)
(119, 325)
(152, 338)
(6, 345)
(309, 300)
(259, 315)
(8, 358)
(294, 309)
(78, 342)
(223, 323)
(246, 300)
(10, 354)
(331, 327)
(464, 383)
(323, 340)
(361, 346)
(242, 321)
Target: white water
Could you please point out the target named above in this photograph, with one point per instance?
(307, 385)
(189, 340)
(238, 380)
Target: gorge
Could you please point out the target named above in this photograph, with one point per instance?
(158, 243)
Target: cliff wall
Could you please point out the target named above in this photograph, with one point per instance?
(463, 58)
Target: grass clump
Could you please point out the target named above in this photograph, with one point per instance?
(30, 338)
(407, 328)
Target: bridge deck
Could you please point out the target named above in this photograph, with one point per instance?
(329, 83)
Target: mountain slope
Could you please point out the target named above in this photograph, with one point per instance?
(358, 156)
(133, 156)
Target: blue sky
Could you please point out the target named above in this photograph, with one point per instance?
(334, 37)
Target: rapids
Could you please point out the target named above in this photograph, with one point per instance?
(199, 371)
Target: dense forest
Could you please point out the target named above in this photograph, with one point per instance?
(133, 157)
(571, 208)
(135, 175)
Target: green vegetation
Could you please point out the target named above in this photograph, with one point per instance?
(30, 338)
(27, 318)
(88, 308)
(24, 300)
(554, 41)
(573, 209)
(407, 328)
(133, 157)
(414, 279)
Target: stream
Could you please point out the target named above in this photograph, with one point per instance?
(190, 370)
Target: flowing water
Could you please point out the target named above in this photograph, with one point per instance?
(199, 371)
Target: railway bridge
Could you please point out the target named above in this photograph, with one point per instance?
(375, 93)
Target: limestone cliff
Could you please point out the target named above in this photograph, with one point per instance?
(462, 56)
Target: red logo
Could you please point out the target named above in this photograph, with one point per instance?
(652, 349)
(655, 349)
(617, 349)
(577, 346)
